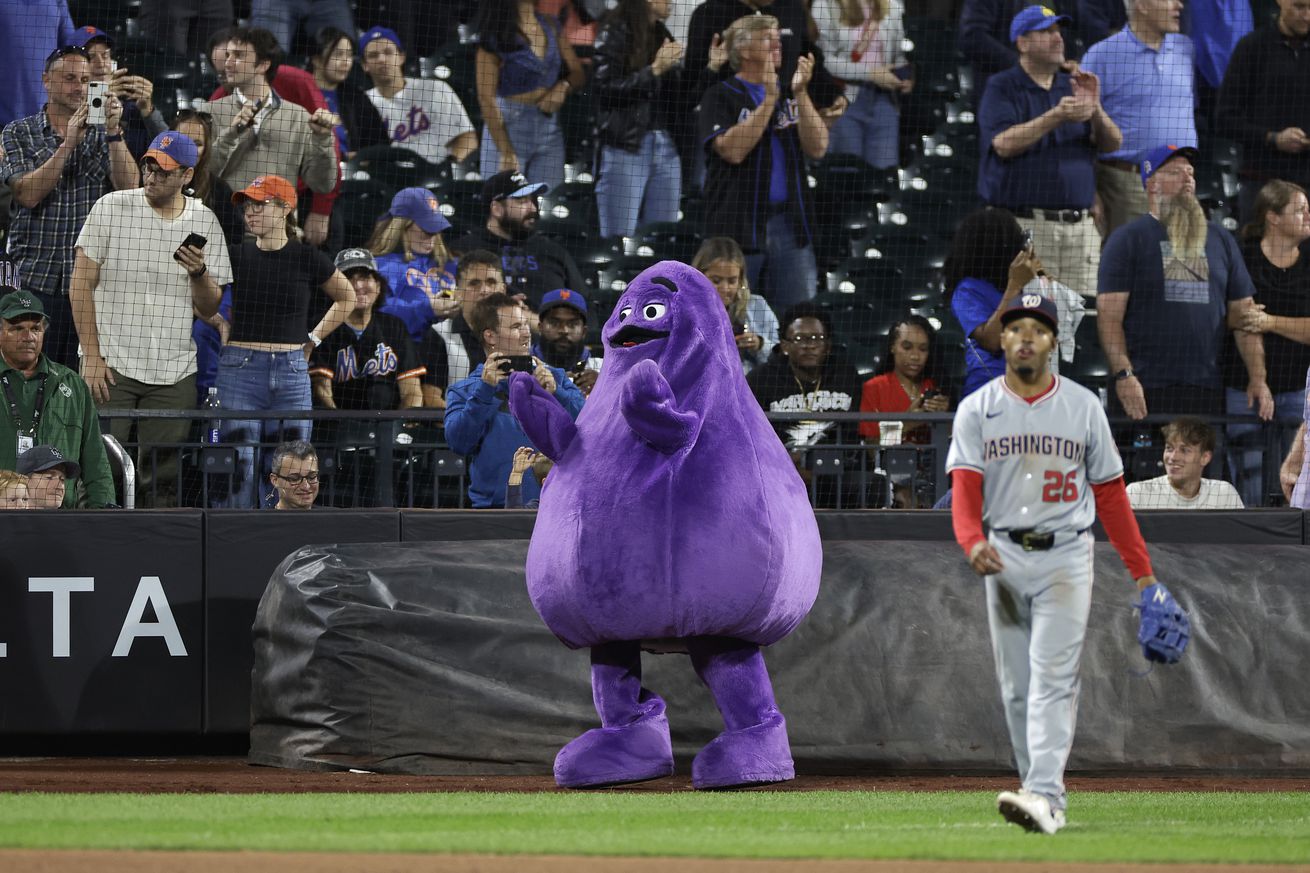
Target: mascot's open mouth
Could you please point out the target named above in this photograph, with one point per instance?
(634, 336)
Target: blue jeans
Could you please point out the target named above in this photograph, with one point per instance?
(788, 270)
(646, 182)
(280, 18)
(260, 381)
(870, 129)
(1246, 450)
(537, 142)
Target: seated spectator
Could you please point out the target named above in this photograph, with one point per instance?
(451, 348)
(1276, 248)
(1294, 475)
(525, 459)
(414, 261)
(49, 405)
(1188, 449)
(135, 286)
(48, 473)
(525, 72)
(265, 362)
(530, 263)
(989, 253)
(142, 121)
(361, 126)
(563, 342)
(423, 115)
(58, 166)
(754, 325)
(294, 476)
(903, 383)
(205, 184)
(1169, 275)
(805, 375)
(861, 42)
(298, 87)
(637, 86)
(744, 123)
(259, 133)
(369, 362)
(478, 423)
(13, 490)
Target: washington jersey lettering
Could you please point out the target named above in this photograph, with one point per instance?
(1038, 460)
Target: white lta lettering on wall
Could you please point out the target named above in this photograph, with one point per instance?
(60, 588)
(150, 590)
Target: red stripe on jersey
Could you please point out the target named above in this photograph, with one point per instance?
(967, 508)
(1050, 389)
(1116, 515)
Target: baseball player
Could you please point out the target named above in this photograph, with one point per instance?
(1029, 451)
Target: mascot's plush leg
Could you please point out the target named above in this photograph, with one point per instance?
(754, 748)
(632, 744)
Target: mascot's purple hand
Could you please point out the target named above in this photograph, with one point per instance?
(651, 410)
(542, 417)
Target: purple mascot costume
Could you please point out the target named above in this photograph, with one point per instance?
(673, 513)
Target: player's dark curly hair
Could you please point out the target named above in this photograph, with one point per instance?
(931, 369)
(983, 248)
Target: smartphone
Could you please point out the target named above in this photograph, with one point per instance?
(738, 328)
(519, 363)
(931, 393)
(97, 98)
(1027, 239)
(193, 239)
(903, 72)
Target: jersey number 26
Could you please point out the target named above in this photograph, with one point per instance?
(1060, 487)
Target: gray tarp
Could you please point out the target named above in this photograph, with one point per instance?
(428, 658)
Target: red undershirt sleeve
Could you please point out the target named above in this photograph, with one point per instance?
(967, 508)
(1116, 515)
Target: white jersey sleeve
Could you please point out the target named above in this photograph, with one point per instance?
(966, 436)
(1103, 461)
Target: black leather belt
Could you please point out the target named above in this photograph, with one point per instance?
(1031, 540)
(1068, 216)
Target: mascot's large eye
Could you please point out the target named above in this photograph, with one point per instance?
(624, 313)
(652, 311)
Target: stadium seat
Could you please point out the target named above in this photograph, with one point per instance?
(572, 200)
(462, 204)
(394, 167)
(872, 277)
(613, 278)
(456, 64)
(1090, 368)
(663, 240)
(360, 204)
(570, 233)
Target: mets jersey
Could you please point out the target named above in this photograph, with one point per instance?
(1038, 460)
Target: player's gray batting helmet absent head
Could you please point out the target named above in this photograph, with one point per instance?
(1036, 306)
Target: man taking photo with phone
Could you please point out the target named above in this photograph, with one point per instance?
(142, 263)
(478, 422)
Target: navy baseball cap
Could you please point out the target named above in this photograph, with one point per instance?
(172, 150)
(41, 458)
(1028, 305)
(563, 297)
(380, 33)
(1035, 18)
(420, 206)
(511, 183)
(84, 35)
(1157, 157)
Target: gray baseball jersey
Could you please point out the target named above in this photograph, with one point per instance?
(1038, 460)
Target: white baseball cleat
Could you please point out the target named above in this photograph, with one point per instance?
(1030, 811)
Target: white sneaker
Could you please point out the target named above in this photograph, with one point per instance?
(1030, 811)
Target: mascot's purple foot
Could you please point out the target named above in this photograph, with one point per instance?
(756, 755)
(634, 752)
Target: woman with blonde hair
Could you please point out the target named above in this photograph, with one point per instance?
(753, 322)
(413, 261)
(861, 42)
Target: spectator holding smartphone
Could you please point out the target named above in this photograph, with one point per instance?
(142, 120)
(525, 459)
(142, 266)
(265, 364)
(906, 380)
(563, 343)
(478, 422)
(413, 260)
(754, 325)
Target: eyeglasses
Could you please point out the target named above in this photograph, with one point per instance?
(813, 339)
(295, 479)
(258, 205)
(150, 168)
(63, 52)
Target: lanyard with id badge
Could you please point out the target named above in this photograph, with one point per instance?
(26, 436)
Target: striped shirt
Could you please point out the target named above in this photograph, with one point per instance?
(41, 239)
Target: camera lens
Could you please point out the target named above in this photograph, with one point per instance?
(97, 103)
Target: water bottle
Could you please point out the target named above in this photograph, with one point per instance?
(213, 433)
(1142, 437)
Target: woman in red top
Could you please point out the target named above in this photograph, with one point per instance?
(902, 385)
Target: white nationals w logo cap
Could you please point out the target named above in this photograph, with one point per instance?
(1032, 301)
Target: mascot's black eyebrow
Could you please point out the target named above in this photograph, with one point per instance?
(667, 283)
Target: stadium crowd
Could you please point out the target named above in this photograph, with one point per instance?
(392, 210)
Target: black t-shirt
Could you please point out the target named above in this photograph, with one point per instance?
(533, 267)
(777, 389)
(432, 353)
(272, 291)
(1281, 292)
(737, 202)
(365, 367)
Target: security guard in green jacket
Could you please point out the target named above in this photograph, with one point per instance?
(45, 403)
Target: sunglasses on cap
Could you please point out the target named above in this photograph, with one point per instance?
(63, 52)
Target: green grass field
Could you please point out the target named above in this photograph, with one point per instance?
(1191, 827)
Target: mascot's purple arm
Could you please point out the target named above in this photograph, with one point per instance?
(673, 513)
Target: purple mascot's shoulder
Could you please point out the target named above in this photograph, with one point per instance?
(673, 512)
